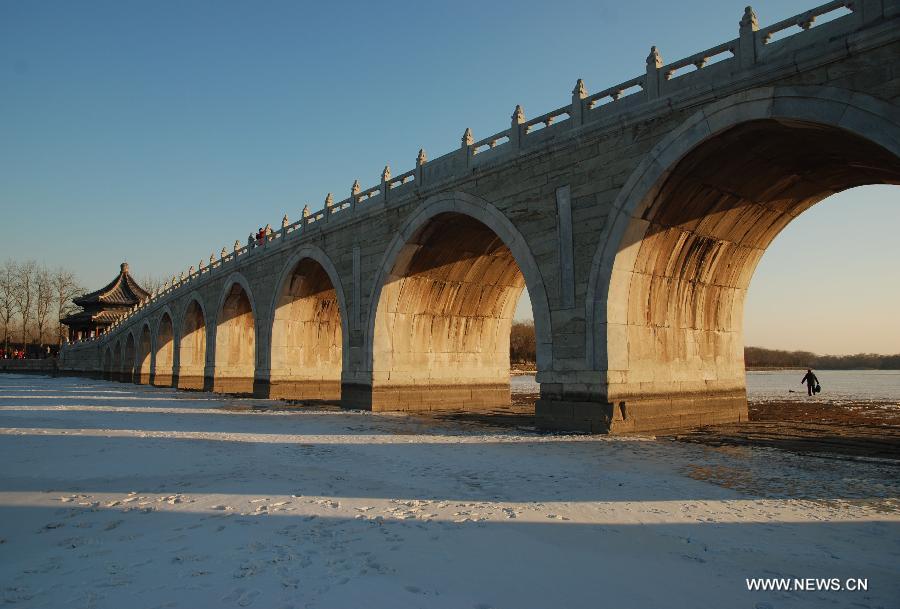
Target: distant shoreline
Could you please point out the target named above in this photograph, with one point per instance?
(520, 370)
(777, 368)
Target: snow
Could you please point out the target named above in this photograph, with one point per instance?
(114, 495)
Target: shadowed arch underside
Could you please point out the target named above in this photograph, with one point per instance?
(192, 348)
(676, 296)
(143, 367)
(441, 336)
(235, 362)
(306, 340)
(115, 373)
(127, 375)
(107, 363)
(165, 352)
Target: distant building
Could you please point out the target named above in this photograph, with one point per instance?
(101, 308)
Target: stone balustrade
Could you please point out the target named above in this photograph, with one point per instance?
(755, 48)
(634, 216)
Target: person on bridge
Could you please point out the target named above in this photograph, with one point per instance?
(811, 381)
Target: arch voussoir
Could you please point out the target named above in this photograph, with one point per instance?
(440, 310)
(666, 286)
(308, 334)
(235, 343)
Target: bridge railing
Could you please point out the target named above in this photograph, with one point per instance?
(753, 46)
(490, 143)
(698, 61)
(613, 94)
(805, 20)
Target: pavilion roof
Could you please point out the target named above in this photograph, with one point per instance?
(95, 318)
(123, 290)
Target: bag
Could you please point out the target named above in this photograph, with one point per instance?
(817, 388)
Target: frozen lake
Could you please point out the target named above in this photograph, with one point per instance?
(838, 386)
(115, 495)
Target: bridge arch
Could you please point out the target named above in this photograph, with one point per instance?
(441, 306)
(128, 357)
(164, 349)
(144, 365)
(235, 341)
(116, 365)
(667, 284)
(309, 335)
(192, 343)
(107, 363)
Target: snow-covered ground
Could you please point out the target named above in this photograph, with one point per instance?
(113, 495)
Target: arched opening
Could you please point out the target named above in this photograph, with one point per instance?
(128, 360)
(116, 366)
(144, 359)
(306, 357)
(677, 290)
(165, 352)
(192, 348)
(107, 363)
(442, 325)
(235, 343)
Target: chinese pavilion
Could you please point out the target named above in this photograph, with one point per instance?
(101, 308)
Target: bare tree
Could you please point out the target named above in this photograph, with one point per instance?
(23, 295)
(8, 274)
(65, 288)
(43, 300)
(150, 283)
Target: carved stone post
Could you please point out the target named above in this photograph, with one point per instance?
(421, 159)
(654, 63)
(385, 176)
(466, 148)
(515, 128)
(576, 113)
(869, 10)
(354, 194)
(329, 203)
(747, 39)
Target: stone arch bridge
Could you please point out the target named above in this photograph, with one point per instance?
(635, 217)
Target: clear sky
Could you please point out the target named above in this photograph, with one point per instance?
(158, 132)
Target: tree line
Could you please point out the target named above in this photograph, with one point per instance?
(759, 357)
(33, 298)
(522, 344)
(522, 350)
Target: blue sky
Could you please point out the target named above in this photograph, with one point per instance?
(158, 132)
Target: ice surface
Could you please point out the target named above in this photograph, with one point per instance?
(114, 495)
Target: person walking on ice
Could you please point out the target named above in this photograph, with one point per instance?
(811, 381)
